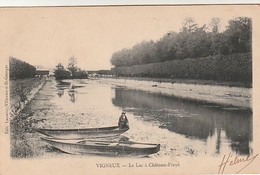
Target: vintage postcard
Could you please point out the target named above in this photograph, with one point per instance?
(163, 89)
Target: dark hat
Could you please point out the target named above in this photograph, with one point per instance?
(123, 112)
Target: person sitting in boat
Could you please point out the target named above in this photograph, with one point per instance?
(123, 121)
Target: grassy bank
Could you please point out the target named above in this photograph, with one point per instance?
(189, 81)
(22, 91)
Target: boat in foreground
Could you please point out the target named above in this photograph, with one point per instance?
(101, 147)
(83, 133)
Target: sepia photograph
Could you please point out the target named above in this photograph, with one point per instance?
(129, 89)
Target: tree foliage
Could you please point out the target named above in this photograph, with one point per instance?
(72, 71)
(192, 41)
(239, 35)
(214, 25)
(72, 66)
(20, 69)
(60, 73)
(189, 26)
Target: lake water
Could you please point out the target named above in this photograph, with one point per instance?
(182, 127)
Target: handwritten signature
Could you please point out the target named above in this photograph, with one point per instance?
(232, 160)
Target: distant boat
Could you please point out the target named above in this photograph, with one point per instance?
(101, 147)
(83, 133)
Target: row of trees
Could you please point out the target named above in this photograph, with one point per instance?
(72, 71)
(19, 69)
(192, 41)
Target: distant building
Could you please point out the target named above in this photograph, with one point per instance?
(39, 67)
(100, 73)
(42, 73)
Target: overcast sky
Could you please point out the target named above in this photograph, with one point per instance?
(47, 36)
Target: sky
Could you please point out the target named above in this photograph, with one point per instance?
(116, 2)
(48, 36)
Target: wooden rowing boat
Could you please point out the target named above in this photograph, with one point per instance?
(101, 147)
(83, 133)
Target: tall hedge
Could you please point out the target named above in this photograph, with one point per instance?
(236, 67)
(20, 69)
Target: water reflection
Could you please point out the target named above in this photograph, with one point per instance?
(60, 93)
(61, 86)
(72, 96)
(197, 121)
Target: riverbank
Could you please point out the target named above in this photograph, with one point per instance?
(22, 91)
(25, 142)
(190, 81)
(200, 91)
